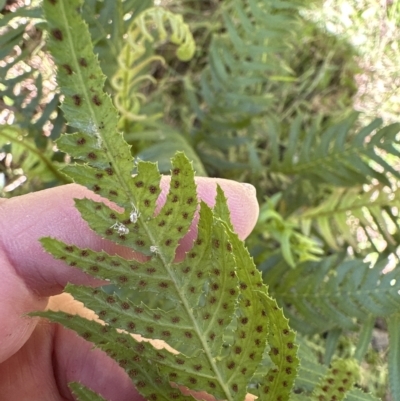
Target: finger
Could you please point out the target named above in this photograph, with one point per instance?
(28, 374)
(16, 299)
(51, 358)
(91, 367)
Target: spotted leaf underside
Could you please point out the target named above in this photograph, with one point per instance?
(226, 336)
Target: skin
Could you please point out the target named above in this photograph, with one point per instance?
(37, 358)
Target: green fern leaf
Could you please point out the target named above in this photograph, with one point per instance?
(215, 310)
(368, 209)
(29, 102)
(35, 163)
(279, 379)
(280, 337)
(312, 374)
(295, 247)
(335, 294)
(338, 381)
(108, 25)
(337, 156)
(86, 107)
(234, 89)
(310, 371)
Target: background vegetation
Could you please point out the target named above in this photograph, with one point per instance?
(272, 98)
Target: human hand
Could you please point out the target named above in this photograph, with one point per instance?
(37, 358)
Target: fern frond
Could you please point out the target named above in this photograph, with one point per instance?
(108, 22)
(87, 108)
(19, 73)
(214, 309)
(29, 99)
(241, 62)
(335, 294)
(312, 374)
(279, 379)
(338, 381)
(311, 371)
(280, 337)
(294, 246)
(336, 156)
(344, 214)
(34, 163)
(134, 57)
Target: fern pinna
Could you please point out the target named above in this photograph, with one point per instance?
(222, 320)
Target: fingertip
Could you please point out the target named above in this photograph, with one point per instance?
(241, 199)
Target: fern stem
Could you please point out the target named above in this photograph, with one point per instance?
(365, 338)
